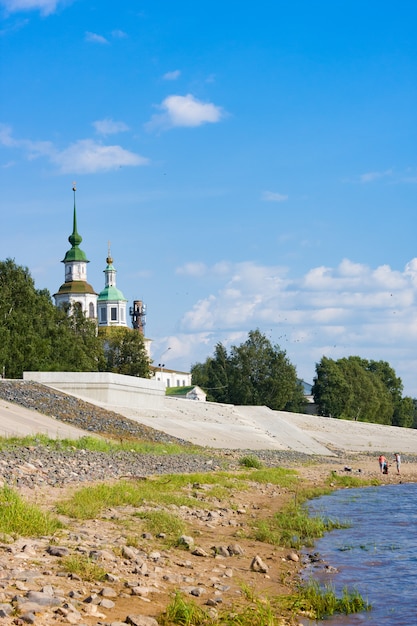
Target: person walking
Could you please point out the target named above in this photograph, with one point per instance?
(397, 459)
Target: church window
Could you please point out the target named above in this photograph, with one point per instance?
(91, 309)
(103, 315)
(113, 313)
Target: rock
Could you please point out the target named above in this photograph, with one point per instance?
(258, 565)
(57, 551)
(108, 592)
(186, 540)
(199, 552)
(235, 549)
(141, 620)
(221, 551)
(293, 556)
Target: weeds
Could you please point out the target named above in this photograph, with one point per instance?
(163, 522)
(293, 528)
(320, 602)
(185, 613)
(98, 444)
(83, 567)
(20, 518)
(250, 461)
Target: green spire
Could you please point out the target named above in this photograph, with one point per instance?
(75, 254)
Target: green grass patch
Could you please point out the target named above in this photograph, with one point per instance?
(321, 602)
(345, 480)
(84, 567)
(157, 522)
(98, 444)
(292, 527)
(250, 460)
(17, 517)
(184, 612)
(275, 475)
(177, 489)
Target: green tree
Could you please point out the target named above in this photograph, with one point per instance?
(354, 388)
(254, 373)
(331, 391)
(405, 413)
(125, 352)
(35, 335)
(75, 346)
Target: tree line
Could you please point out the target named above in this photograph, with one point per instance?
(35, 335)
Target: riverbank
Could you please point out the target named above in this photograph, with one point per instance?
(218, 566)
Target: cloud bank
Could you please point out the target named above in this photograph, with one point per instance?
(351, 309)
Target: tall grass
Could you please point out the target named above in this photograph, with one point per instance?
(322, 602)
(17, 517)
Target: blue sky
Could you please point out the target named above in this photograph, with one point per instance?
(252, 164)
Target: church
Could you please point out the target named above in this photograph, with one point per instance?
(109, 307)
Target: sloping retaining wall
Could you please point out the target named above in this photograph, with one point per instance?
(104, 388)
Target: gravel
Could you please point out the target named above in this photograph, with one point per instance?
(40, 465)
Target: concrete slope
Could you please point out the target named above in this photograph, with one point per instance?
(227, 426)
(259, 428)
(16, 421)
(355, 436)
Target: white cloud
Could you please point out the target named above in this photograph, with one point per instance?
(89, 157)
(119, 34)
(192, 269)
(46, 7)
(351, 309)
(172, 75)
(94, 38)
(109, 127)
(185, 111)
(84, 156)
(273, 196)
(370, 177)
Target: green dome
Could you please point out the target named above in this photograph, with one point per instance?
(75, 286)
(111, 294)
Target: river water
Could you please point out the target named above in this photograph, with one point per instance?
(376, 555)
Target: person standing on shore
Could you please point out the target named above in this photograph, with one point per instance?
(397, 459)
(382, 461)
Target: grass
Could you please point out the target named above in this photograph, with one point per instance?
(98, 444)
(19, 518)
(170, 489)
(311, 600)
(250, 460)
(163, 522)
(292, 526)
(83, 567)
(321, 602)
(344, 480)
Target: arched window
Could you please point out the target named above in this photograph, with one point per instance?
(91, 310)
